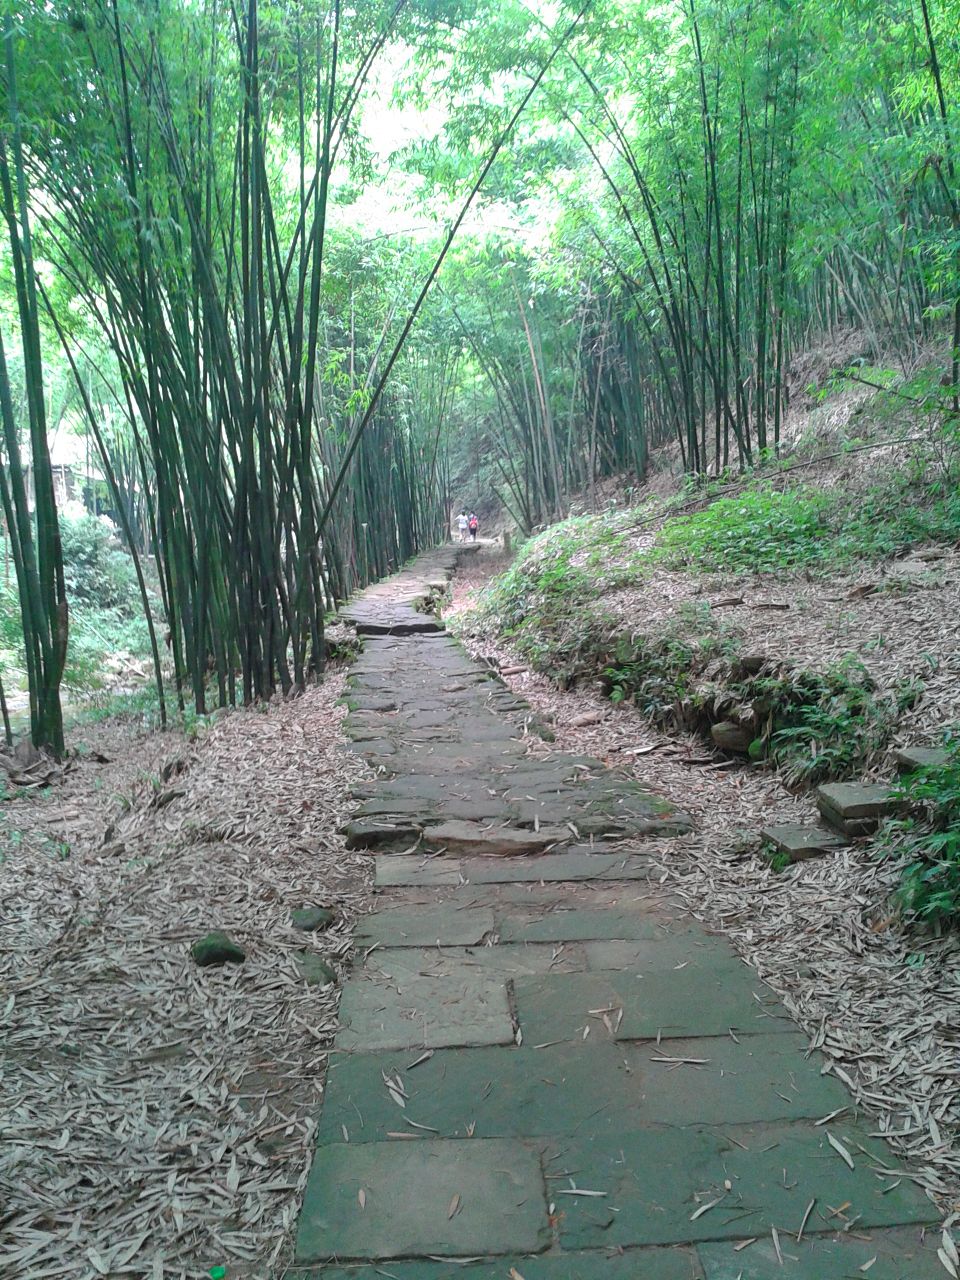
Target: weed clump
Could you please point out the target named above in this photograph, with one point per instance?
(928, 840)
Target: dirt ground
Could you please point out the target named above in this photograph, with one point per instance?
(159, 1115)
(882, 1004)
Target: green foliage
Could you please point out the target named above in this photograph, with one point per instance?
(655, 672)
(140, 707)
(812, 725)
(778, 859)
(105, 610)
(760, 529)
(825, 724)
(928, 841)
(97, 571)
(765, 529)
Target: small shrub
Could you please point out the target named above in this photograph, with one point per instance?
(825, 724)
(96, 573)
(929, 841)
(778, 859)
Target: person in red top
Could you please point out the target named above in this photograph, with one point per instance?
(474, 526)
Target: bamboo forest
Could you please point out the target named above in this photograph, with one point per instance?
(480, 491)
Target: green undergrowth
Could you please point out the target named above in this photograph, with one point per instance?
(821, 725)
(927, 841)
(105, 611)
(140, 707)
(765, 529)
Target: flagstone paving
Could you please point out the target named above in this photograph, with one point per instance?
(543, 1072)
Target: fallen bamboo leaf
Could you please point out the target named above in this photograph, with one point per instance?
(454, 1207)
(681, 1061)
(832, 1116)
(806, 1218)
(841, 1150)
(711, 1204)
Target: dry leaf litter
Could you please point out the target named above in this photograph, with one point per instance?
(883, 1005)
(158, 1117)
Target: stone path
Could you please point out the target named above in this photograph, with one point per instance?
(544, 1073)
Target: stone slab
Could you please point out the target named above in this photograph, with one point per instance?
(533, 1092)
(398, 870)
(600, 1264)
(699, 1002)
(375, 833)
(856, 799)
(856, 809)
(761, 1078)
(578, 925)
(461, 838)
(381, 1200)
(507, 1092)
(677, 946)
(412, 1011)
(557, 866)
(655, 1180)
(895, 1254)
(671, 1005)
(800, 842)
(509, 961)
(441, 924)
(910, 758)
(386, 806)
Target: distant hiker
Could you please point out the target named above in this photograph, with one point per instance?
(474, 526)
(463, 525)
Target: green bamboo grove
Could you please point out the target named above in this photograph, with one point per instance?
(727, 187)
(296, 326)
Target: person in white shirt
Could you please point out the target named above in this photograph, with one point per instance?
(463, 525)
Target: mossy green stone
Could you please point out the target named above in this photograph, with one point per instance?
(217, 948)
(314, 969)
(310, 919)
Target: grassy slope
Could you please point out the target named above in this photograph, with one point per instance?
(560, 604)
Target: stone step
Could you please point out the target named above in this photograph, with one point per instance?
(416, 625)
(458, 838)
(910, 758)
(380, 833)
(857, 808)
(800, 842)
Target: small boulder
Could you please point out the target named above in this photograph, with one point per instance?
(217, 948)
(732, 737)
(310, 919)
(314, 970)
